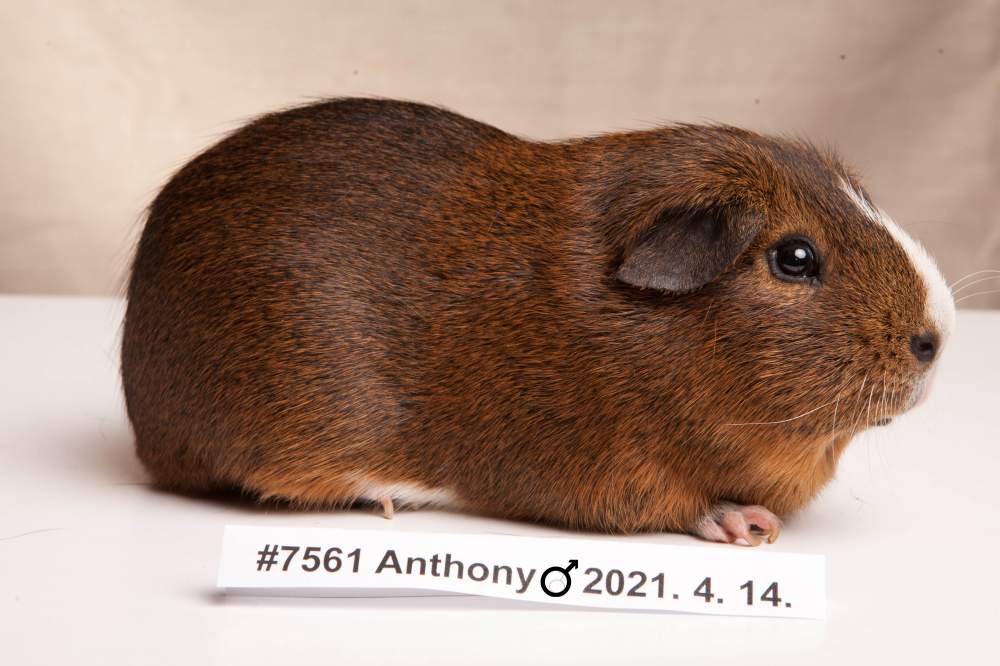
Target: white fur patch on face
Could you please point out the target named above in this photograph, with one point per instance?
(401, 493)
(940, 306)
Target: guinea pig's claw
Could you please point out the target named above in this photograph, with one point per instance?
(728, 523)
(387, 508)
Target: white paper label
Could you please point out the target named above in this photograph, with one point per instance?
(607, 573)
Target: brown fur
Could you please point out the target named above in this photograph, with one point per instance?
(391, 288)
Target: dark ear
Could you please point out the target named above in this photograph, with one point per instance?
(685, 250)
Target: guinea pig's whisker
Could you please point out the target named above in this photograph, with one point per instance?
(868, 411)
(794, 418)
(879, 409)
(978, 293)
(708, 310)
(833, 430)
(894, 394)
(811, 411)
(972, 274)
(856, 422)
(956, 292)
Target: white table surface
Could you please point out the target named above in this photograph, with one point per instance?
(96, 567)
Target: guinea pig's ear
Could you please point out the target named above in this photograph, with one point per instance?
(685, 250)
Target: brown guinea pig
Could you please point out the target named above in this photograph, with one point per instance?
(368, 300)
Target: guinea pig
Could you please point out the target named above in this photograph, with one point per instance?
(384, 302)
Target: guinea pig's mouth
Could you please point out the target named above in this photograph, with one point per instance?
(901, 399)
(895, 402)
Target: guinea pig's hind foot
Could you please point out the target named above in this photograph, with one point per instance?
(387, 507)
(727, 523)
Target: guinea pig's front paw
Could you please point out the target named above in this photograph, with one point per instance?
(728, 522)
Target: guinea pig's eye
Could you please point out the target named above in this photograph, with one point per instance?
(794, 260)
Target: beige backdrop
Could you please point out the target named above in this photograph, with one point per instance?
(103, 100)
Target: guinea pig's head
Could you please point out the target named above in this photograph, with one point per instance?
(798, 301)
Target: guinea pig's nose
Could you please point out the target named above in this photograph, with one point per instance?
(924, 346)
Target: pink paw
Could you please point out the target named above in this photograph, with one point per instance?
(728, 523)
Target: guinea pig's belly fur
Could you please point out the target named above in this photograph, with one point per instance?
(362, 300)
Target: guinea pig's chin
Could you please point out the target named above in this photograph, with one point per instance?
(922, 390)
(918, 395)
(895, 404)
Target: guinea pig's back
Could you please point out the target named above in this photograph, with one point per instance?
(279, 294)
